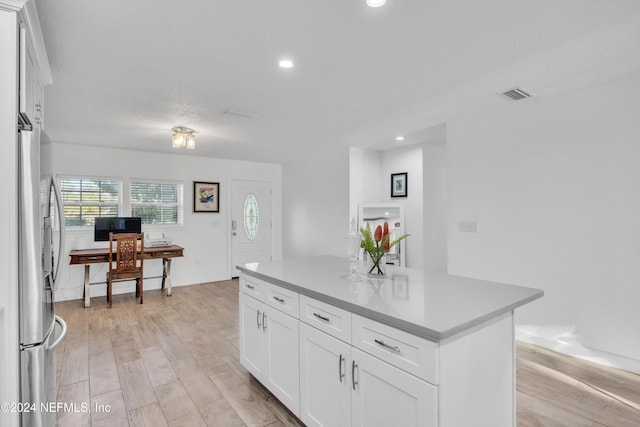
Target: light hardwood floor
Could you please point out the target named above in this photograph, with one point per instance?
(173, 361)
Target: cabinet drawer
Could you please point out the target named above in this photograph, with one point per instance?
(410, 353)
(332, 320)
(283, 299)
(254, 287)
(90, 259)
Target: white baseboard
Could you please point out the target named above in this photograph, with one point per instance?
(569, 344)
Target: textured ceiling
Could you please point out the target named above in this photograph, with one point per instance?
(126, 72)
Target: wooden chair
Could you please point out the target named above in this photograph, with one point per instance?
(126, 254)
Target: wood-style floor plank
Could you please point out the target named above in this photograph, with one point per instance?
(174, 361)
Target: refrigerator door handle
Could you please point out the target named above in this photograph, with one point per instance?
(61, 240)
(60, 321)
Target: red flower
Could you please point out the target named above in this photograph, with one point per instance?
(386, 237)
(377, 236)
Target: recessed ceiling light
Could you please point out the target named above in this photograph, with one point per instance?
(400, 138)
(285, 63)
(376, 3)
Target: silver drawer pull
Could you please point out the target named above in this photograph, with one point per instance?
(250, 287)
(387, 346)
(321, 317)
(280, 300)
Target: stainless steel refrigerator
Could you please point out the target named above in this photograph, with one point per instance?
(41, 331)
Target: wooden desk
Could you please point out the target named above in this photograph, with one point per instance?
(101, 255)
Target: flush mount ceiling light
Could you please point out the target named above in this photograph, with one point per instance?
(285, 63)
(399, 138)
(183, 137)
(376, 3)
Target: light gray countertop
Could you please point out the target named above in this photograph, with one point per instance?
(432, 306)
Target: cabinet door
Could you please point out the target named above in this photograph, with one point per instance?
(282, 374)
(38, 104)
(252, 336)
(325, 379)
(385, 396)
(27, 73)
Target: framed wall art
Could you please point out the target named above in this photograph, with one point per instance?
(399, 183)
(206, 196)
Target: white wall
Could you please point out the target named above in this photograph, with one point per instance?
(434, 207)
(315, 209)
(365, 181)
(554, 184)
(425, 207)
(406, 159)
(205, 236)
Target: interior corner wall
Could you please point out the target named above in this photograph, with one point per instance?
(434, 207)
(204, 236)
(554, 185)
(315, 206)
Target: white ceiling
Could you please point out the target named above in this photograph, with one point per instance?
(126, 72)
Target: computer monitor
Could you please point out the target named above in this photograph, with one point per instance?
(105, 225)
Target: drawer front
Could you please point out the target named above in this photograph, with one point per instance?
(253, 287)
(410, 353)
(91, 259)
(332, 320)
(283, 299)
(169, 253)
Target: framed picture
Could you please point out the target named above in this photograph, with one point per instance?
(399, 184)
(206, 196)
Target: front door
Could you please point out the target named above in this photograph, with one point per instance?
(250, 223)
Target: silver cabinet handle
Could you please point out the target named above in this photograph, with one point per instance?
(258, 319)
(250, 286)
(340, 374)
(280, 300)
(387, 346)
(353, 374)
(321, 317)
(264, 324)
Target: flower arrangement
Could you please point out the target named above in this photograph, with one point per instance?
(378, 245)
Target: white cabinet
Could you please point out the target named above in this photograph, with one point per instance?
(269, 348)
(341, 386)
(281, 353)
(384, 395)
(336, 368)
(38, 104)
(252, 336)
(27, 68)
(325, 380)
(31, 88)
(410, 353)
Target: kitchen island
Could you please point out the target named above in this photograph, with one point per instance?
(411, 349)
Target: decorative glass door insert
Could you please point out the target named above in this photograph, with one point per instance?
(251, 216)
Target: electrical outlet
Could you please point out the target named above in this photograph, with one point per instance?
(468, 226)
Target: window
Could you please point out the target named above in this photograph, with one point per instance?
(157, 202)
(84, 199)
(251, 216)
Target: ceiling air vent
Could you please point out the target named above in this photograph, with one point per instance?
(517, 94)
(243, 114)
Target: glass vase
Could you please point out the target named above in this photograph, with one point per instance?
(376, 265)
